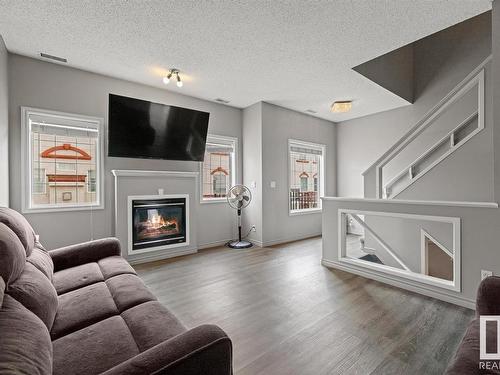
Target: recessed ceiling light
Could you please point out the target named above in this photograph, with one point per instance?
(311, 111)
(341, 106)
(51, 57)
(223, 101)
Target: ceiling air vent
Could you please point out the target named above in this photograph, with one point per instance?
(311, 111)
(56, 58)
(223, 101)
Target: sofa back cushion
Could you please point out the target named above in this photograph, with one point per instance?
(25, 346)
(2, 290)
(36, 292)
(12, 255)
(41, 259)
(20, 226)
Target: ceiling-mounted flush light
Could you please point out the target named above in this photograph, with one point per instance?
(341, 106)
(166, 80)
(173, 72)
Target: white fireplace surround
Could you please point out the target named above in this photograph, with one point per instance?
(131, 198)
(143, 184)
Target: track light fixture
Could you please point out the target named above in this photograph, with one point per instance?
(173, 72)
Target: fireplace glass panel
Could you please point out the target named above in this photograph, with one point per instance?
(158, 222)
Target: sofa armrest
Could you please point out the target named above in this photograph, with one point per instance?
(488, 297)
(85, 252)
(205, 350)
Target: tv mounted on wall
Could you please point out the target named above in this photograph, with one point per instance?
(141, 129)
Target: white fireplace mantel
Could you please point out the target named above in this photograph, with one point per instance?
(144, 173)
(131, 182)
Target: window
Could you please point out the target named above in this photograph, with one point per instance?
(218, 169)
(220, 184)
(91, 181)
(39, 186)
(303, 184)
(68, 167)
(306, 176)
(62, 161)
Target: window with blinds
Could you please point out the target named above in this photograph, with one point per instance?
(62, 161)
(218, 169)
(306, 176)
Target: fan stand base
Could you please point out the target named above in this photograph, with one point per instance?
(239, 244)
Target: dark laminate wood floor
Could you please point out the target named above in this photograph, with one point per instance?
(287, 314)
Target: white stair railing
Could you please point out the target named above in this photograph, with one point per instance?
(443, 147)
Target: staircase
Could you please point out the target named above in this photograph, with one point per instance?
(456, 119)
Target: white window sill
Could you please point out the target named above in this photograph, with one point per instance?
(305, 211)
(35, 210)
(214, 200)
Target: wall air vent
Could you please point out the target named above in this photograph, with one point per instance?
(51, 57)
(311, 111)
(223, 101)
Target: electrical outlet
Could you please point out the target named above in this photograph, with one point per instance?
(485, 274)
(253, 229)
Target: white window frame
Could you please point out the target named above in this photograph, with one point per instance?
(227, 141)
(26, 148)
(321, 179)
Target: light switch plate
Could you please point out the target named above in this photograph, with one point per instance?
(253, 184)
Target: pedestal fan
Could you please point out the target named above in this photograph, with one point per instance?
(239, 197)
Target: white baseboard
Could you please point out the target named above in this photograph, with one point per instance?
(145, 258)
(289, 239)
(408, 285)
(208, 245)
(257, 243)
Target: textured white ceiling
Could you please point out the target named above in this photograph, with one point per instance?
(296, 54)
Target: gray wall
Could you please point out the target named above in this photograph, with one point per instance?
(50, 86)
(479, 229)
(279, 125)
(393, 71)
(495, 31)
(266, 131)
(441, 61)
(252, 170)
(4, 127)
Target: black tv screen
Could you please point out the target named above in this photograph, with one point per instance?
(141, 129)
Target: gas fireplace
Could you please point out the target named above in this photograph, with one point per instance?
(157, 223)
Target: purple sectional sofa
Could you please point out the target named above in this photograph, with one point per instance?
(82, 310)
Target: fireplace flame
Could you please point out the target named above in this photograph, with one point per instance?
(158, 221)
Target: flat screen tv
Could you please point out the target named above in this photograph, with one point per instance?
(141, 129)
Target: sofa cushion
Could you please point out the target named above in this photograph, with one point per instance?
(82, 307)
(151, 323)
(20, 226)
(41, 259)
(25, 346)
(2, 291)
(73, 278)
(94, 349)
(12, 255)
(36, 293)
(128, 290)
(114, 265)
(466, 359)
